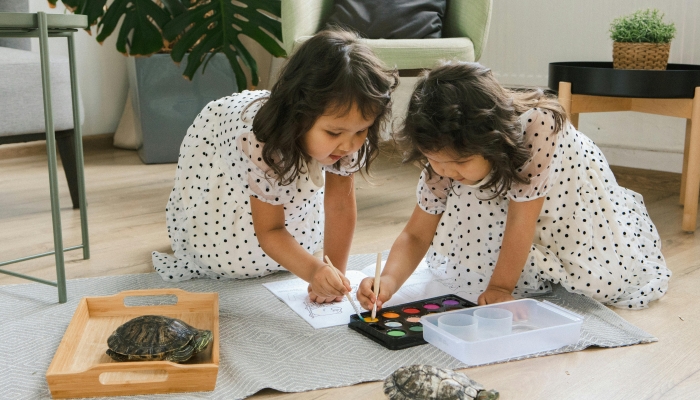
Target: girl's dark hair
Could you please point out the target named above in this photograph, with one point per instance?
(461, 107)
(330, 73)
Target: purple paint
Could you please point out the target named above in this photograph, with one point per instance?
(450, 302)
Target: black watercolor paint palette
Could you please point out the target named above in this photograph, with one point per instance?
(398, 327)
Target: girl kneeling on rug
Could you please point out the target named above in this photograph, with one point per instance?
(514, 198)
(249, 188)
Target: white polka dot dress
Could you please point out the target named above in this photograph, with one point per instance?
(593, 237)
(208, 214)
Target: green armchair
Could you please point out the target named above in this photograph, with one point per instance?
(465, 29)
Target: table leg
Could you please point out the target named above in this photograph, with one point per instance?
(51, 150)
(78, 145)
(684, 174)
(692, 179)
(565, 101)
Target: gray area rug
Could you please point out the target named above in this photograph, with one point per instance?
(254, 352)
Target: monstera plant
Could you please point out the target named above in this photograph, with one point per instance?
(199, 28)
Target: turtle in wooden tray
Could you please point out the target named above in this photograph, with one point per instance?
(425, 382)
(155, 338)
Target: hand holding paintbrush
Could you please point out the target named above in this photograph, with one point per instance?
(374, 291)
(347, 294)
(327, 284)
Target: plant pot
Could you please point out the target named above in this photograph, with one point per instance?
(164, 103)
(640, 55)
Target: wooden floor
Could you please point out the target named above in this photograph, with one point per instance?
(127, 221)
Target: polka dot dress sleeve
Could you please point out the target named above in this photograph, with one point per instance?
(544, 165)
(346, 166)
(432, 193)
(262, 182)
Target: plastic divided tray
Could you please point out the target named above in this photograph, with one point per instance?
(537, 326)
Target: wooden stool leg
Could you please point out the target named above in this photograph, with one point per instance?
(565, 101)
(684, 174)
(692, 180)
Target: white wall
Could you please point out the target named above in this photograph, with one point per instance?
(526, 35)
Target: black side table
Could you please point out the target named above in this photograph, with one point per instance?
(597, 87)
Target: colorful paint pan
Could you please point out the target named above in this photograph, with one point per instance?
(390, 315)
(399, 327)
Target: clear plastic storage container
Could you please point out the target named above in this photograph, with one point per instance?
(537, 326)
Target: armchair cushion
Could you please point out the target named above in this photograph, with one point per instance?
(21, 110)
(416, 53)
(390, 19)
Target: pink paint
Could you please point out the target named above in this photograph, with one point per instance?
(431, 306)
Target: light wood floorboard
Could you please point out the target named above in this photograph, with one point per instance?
(126, 221)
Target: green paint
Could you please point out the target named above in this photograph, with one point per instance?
(396, 333)
(417, 328)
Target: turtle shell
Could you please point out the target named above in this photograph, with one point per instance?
(151, 337)
(425, 382)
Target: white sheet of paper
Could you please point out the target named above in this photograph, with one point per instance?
(422, 284)
(294, 293)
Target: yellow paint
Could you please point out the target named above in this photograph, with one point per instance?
(370, 319)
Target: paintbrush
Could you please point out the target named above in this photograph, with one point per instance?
(347, 295)
(377, 275)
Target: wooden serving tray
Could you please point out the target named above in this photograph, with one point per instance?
(81, 368)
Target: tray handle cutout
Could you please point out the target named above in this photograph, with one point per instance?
(131, 377)
(150, 297)
(561, 310)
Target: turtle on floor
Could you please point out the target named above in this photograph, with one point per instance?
(425, 382)
(155, 338)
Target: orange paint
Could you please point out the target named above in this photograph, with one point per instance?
(390, 315)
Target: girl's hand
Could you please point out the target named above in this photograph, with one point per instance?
(328, 284)
(494, 294)
(366, 296)
(318, 299)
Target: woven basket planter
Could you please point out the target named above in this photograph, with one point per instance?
(640, 55)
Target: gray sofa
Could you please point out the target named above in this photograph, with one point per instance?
(21, 97)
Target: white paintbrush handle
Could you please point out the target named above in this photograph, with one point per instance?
(377, 276)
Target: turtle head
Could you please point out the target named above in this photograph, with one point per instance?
(202, 340)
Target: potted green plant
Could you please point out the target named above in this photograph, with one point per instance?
(641, 40)
(170, 39)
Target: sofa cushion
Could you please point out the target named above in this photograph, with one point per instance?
(21, 96)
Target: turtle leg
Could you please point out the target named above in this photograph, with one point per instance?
(488, 395)
(117, 356)
(183, 354)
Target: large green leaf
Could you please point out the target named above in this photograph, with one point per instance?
(94, 9)
(140, 32)
(214, 26)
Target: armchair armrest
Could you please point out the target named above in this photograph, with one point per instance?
(302, 18)
(469, 18)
